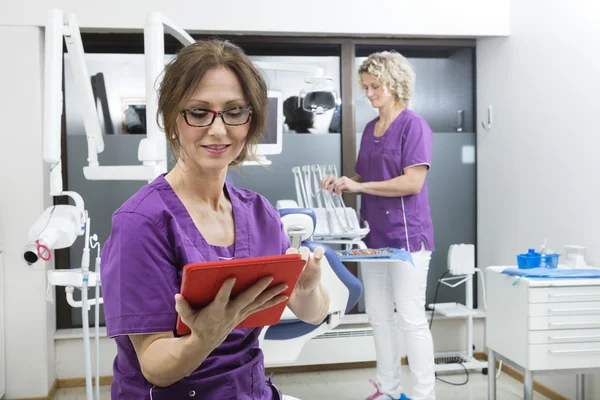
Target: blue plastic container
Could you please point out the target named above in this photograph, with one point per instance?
(549, 261)
(532, 259)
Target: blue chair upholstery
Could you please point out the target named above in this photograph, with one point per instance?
(350, 281)
(293, 328)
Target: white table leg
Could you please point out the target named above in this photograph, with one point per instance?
(528, 388)
(491, 375)
(580, 387)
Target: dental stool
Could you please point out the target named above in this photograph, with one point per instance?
(282, 343)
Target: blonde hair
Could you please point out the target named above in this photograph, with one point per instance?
(183, 74)
(392, 69)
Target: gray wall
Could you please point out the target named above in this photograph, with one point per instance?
(276, 181)
(453, 199)
(443, 86)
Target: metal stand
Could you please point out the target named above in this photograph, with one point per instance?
(580, 387)
(491, 375)
(462, 359)
(528, 385)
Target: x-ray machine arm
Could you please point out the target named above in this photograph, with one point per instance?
(152, 151)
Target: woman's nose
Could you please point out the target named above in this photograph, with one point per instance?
(217, 128)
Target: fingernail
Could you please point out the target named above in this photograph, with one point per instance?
(319, 252)
(304, 251)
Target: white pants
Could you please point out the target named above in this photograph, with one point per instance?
(402, 285)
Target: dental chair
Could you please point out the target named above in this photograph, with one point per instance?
(282, 343)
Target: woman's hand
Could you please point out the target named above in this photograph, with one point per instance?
(214, 322)
(310, 300)
(310, 278)
(340, 185)
(327, 183)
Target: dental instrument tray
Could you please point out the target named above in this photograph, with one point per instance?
(532, 259)
(366, 253)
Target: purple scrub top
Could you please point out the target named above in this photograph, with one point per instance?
(153, 237)
(395, 220)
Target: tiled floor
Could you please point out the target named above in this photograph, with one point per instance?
(354, 385)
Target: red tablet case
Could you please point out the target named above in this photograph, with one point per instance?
(201, 282)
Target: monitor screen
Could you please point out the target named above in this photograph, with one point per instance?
(269, 135)
(272, 135)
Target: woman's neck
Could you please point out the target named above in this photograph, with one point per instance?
(201, 186)
(388, 113)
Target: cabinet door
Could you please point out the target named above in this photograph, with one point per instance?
(497, 172)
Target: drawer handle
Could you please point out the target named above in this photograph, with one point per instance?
(573, 323)
(574, 351)
(574, 337)
(569, 310)
(573, 294)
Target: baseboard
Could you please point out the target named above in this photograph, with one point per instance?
(507, 369)
(518, 375)
(80, 382)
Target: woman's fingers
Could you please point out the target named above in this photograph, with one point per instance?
(250, 294)
(274, 301)
(224, 293)
(339, 186)
(265, 297)
(327, 182)
(183, 308)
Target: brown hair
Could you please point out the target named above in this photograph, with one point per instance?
(183, 74)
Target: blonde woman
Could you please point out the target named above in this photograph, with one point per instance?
(391, 176)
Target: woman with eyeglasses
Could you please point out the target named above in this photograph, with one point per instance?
(212, 105)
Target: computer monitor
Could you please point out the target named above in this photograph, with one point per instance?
(272, 136)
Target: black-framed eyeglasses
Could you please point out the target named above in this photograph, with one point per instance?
(200, 117)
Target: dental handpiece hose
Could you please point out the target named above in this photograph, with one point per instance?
(85, 266)
(97, 322)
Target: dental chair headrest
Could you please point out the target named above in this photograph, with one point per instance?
(299, 218)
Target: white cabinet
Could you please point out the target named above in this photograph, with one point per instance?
(543, 325)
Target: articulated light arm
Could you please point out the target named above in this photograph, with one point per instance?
(152, 151)
(57, 28)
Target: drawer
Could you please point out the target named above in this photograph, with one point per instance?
(563, 294)
(564, 309)
(564, 356)
(564, 322)
(564, 336)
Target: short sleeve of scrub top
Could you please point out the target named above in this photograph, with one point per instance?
(141, 296)
(418, 144)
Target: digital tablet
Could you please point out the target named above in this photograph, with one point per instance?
(201, 282)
